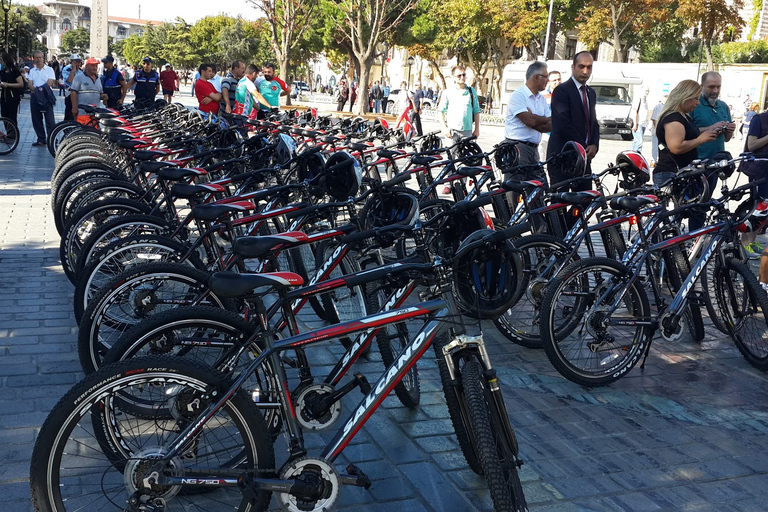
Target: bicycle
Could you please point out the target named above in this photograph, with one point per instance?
(9, 136)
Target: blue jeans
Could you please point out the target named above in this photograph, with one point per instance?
(654, 147)
(377, 106)
(38, 114)
(637, 139)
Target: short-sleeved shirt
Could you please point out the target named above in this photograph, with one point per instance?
(669, 162)
(418, 96)
(168, 80)
(88, 91)
(640, 106)
(65, 75)
(112, 83)
(656, 112)
(146, 84)
(39, 77)
(520, 101)
(271, 90)
(460, 107)
(244, 101)
(229, 83)
(706, 115)
(216, 82)
(202, 89)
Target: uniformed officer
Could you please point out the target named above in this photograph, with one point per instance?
(113, 83)
(147, 82)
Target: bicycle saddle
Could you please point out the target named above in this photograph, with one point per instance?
(183, 191)
(329, 139)
(632, 204)
(575, 198)
(521, 186)
(153, 167)
(144, 155)
(213, 212)
(425, 159)
(109, 121)
(472, 171)
(389, 153)
(132, 143)
(172, 173)
(260, 246)
(232, 284)
(359, 146)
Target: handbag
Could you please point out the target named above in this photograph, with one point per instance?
(756, 170)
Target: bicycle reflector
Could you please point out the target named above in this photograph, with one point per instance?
(756, 220)
(486, 277)
(635, 171)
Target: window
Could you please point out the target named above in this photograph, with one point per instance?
(570, 48)
(45, 40)
(140, 31)
(120, 31)
(66, 25)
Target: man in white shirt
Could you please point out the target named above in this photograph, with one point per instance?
(41, 76)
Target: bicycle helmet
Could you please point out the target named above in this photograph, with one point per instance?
(470, 148)
(571, 161)
(721, 156)
(380, 126)
(390, 209)
(285, 150)
(506, 156)
(486, 277)
(430, 143)
(756, 220)
(309, 166)
(635, 171)
(343, 176)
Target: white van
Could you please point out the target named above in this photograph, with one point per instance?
(614, 101)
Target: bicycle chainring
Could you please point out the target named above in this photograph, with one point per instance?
(305, 397)
(318, 473)
(669, 329)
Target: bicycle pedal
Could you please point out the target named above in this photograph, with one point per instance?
(356, 477)
(365, 386)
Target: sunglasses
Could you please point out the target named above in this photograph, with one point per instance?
(461, 75)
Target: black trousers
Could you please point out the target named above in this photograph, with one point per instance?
(340, 105)
(10, 110)
(68, 108)
(38, 114)
(416, 120)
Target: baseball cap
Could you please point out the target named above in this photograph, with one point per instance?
(167, 64)
(146, 59)
(108, 58)
(92, 60)
(75, 56)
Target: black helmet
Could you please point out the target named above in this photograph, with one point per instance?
(309, 166)
(391, 209)
(285, 150)
(724, 156)
(470, 148)
(343, 176)
(430, 143)
(486, 277)
(634, 169)
(571, 161)
(506, 156)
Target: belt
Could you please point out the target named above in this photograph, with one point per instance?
(525, 143)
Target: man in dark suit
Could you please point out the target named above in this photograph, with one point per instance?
(573, 118)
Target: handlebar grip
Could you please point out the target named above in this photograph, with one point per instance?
(465, 206)
(510, 232)
(401, 178)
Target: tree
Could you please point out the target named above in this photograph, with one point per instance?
(714, 18)
(238, 41)
(288, 19)
(620, 23)
(135, 49)
(76, 41)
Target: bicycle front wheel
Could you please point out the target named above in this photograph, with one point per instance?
(586, 339)
(9, 136)
(93, 453)
(742, 306)
(494, 440)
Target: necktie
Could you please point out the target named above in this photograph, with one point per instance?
(585, 103)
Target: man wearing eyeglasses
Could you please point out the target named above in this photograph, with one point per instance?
(460, 110)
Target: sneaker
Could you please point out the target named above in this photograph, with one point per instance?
(38, 143)
(757, 247)
(751, 253)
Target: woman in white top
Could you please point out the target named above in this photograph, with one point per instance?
(403, 103)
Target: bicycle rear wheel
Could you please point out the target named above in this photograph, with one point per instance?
(742, 306)
(9, 136)
(93, 452)
(494, 440)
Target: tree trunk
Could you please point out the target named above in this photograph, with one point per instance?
(436, 72)
(362, 87)
(708, 51)
(283, 60)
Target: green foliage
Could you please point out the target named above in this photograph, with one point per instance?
(757, 7)
(25, 29)
(748, 52)
(76, 41)
(664, 42)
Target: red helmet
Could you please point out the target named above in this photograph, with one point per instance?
(757, 220)
(571, 161)
(634, 169)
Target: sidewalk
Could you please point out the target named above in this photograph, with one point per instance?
(688, 433)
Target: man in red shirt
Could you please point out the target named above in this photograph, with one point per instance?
(206, 93)
(169, 81)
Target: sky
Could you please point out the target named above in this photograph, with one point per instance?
(168, 10)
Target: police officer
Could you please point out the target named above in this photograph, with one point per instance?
(147, 82)
(69, 73)
(113, 83)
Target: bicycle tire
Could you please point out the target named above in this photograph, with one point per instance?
(391, 340)
(118, 256)
(60, 132)
(708, 287)
(457, 408)
(342, 304)
(677, 271)
(499, 462)
(134, 296)
(520, 323)
(613, 243)
(92, 430)
(79, 195)
(743, 304)
(9, 136)
(588, 360)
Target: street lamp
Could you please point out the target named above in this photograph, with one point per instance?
(410, 65)
(495, 60)
(18, 29)
(6, 8)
